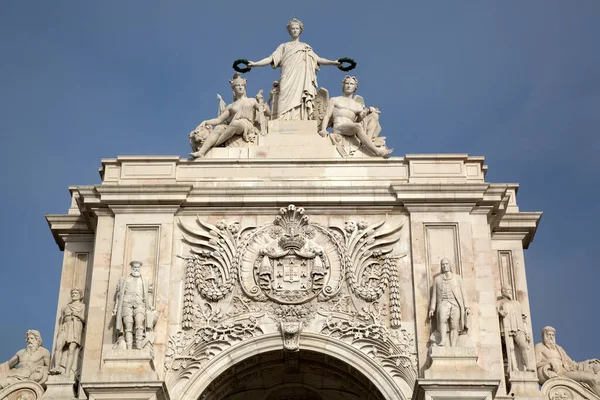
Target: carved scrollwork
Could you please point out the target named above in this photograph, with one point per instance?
(561, 388)
(394, 349)
(560, 394)
(212, 268)
(368, 256)
(189, 351)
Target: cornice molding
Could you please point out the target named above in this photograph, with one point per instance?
(69, 228)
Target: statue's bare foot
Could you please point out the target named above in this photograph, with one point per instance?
(196, 154)
(385, 152)
(323, 133)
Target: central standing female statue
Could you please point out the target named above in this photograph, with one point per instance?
(298, 81)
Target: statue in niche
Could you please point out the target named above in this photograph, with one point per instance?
(448, 305)
(297, 85)
(513, 323)
(245, 117)
(553, 361)
(134, 309)
(68, 341)
(29, 364)
(350, 119)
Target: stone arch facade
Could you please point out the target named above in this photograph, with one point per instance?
(342, 266)
(192, 387)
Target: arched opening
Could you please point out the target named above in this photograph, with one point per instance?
(303, 375)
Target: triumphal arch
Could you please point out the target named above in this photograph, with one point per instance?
(293, 256)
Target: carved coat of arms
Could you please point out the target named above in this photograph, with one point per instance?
(288, 261)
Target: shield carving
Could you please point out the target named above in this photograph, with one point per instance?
(293, 273)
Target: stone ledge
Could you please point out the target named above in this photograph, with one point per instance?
(134, 390)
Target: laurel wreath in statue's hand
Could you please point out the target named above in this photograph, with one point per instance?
(242, 61)
(350, 67)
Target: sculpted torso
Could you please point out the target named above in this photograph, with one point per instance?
(32, 360)
(133, 289)
(344, 111)
(552, 356)
(243, 108)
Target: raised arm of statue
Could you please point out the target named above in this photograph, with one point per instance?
(261, 63)
(324, 61)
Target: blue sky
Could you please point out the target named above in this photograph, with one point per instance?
(517, 82)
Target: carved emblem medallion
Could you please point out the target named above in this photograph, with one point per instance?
(291, 261)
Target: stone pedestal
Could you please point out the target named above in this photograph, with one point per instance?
(452, 389)
(60, 387)
(524, 384)
(130, 390)
(450, 362)
(454, 373)
(131, 361)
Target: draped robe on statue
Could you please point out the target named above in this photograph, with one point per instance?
(298, 80)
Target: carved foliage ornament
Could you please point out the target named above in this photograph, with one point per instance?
(288, 270)
(290, 261)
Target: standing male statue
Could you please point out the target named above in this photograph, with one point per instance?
(68, 340)
(514, 326)
(448, 301)
(552, 361)
(133, 307)
(298, 81)
(31, 363)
